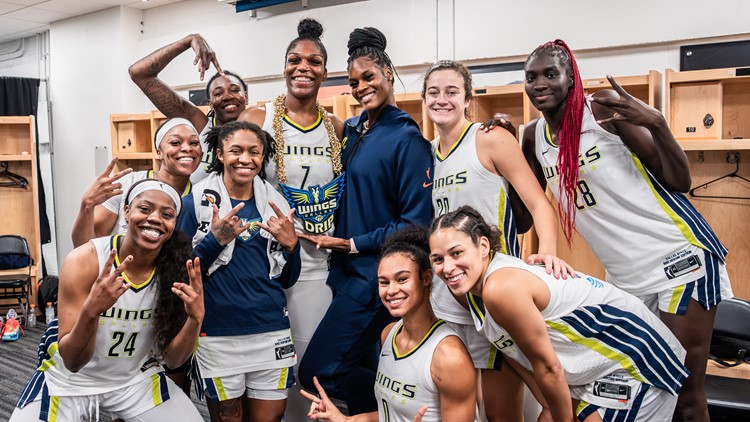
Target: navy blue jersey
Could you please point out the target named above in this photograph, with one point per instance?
(388, 186)
(239, 297)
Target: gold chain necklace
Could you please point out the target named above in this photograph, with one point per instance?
(279, 109)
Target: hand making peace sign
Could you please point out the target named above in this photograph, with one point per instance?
(109, 286)
(192, 294)
(627, 108)
(105, 186)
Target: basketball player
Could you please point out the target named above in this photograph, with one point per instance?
(306, 169)
(424, 368)
(581, 338)
(618, 173)
(124, 306)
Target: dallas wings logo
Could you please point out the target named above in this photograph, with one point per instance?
(315, 205)
(251, 231)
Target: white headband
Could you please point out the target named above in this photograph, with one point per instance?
(151, 184)
(168, 125)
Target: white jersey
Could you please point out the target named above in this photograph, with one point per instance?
(403, 383)
(461, 179)
(311, 188)
(627, 217)
(124, 341)
(202, 171)
(596, 330)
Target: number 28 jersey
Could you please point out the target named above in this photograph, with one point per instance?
(124, 342)
(646, 235)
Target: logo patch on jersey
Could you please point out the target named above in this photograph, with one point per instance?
(251, 231)
(284, 348)
(681, 263)
(315, 205)
(210, 197)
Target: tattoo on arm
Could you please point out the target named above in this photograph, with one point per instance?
(167, 101)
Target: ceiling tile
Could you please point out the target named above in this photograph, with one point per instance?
(35, 14)
(149, 4)
(8, 7)
(110, 3)
(25, 2)
(72, 7)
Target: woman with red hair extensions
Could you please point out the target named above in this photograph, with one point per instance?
(618, 175)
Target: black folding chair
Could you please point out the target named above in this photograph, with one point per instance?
(729, 398)
(15, 271)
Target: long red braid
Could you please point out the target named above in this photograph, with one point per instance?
(568, 137)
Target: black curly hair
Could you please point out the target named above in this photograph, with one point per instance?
(414, 242)
(468, 221)
(169, 312)
(227, 129)
(309, 29)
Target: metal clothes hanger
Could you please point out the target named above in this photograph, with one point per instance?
(11, 180)
(732, 175)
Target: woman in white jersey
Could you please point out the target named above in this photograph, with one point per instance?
(102, 207)
(581, 338)
(618, 173)
(424, 368)
(477, 168)
(306, 169)
(126, 303)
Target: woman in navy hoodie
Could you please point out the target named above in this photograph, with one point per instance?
(388, 186)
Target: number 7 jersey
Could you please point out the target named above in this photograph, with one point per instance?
(648, 237)
(124, 342)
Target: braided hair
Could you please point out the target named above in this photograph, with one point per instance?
(569, 132)
(311, 30)
(369, 42)
(467, 220)
(218, 134)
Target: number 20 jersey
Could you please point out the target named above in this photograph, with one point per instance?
(124, 342)
(645, 234)
(461, 179)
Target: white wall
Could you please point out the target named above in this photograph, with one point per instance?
(89, 81)
(515, 27)
(90, 54)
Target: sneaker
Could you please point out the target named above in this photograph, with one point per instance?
(12, 330)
